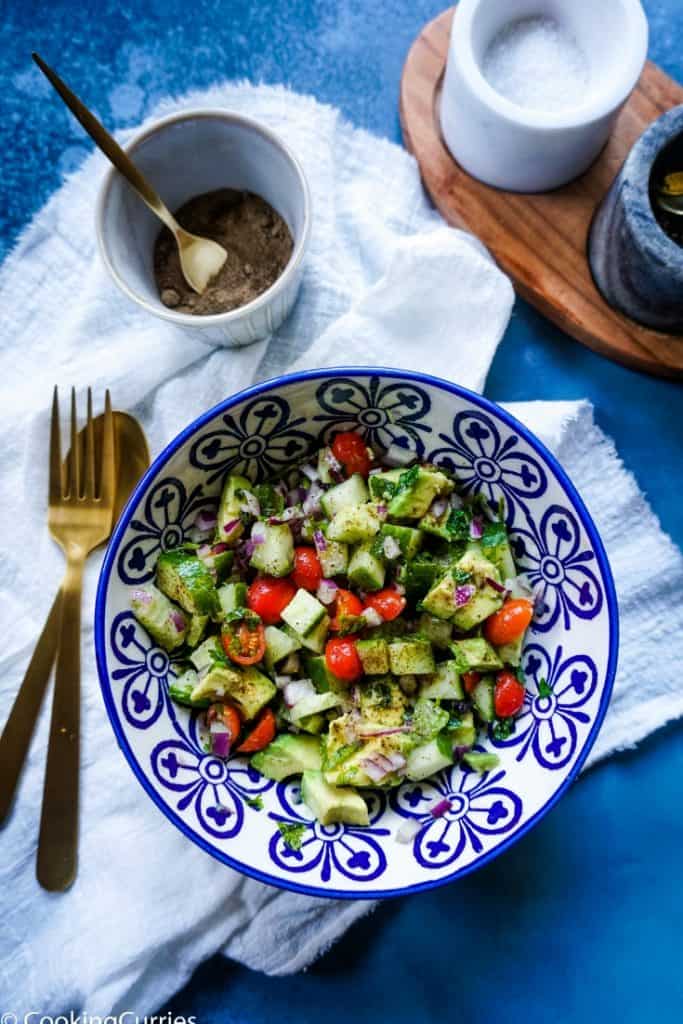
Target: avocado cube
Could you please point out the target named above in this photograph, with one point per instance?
(195, 632)
(229, 526)
(382, 702)
(180, 690)
(163, 620)
(481, 762)
(408, 539)
(334, 558)
(416, 490)
(374, 655)
(184, 578)
(288, 755)
(411, 656)
(438, 631)
(440, 601)
(331, 804)
(445, 684)
(366, 571)
(484, 603)
(275, 555)
(354, 524)
(320, 675)
(452, 525)
(475, 654)
(248, 688)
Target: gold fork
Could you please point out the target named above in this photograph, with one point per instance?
(79, 519)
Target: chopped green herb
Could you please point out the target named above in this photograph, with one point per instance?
(493, 536)
(458, 524)
(383, 488)
(407, 480)
(292, 835)
(544, 689)
(502, 728)
(331, 761)
(256, 802)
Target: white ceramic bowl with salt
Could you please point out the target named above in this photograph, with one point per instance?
(532, 87)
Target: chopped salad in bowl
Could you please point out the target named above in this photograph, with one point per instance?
(356, 622)
(356, 631)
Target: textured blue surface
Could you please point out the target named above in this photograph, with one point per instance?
(582, 919)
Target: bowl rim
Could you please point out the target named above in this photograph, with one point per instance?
(358, 371)
(300, 244)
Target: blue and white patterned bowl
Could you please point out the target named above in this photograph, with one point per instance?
(230, 810)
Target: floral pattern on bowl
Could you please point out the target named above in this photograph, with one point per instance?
(569, 659)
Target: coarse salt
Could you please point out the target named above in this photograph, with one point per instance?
(536, 63)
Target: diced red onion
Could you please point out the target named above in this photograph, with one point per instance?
(206, 520)
(438, 507)
(499, 589)
(476, 528)
(397, 760)
(310, 472)
(440, 808)
(373, 770)
(297, 690)
(464, 594)
(296, 495)
(311, 505)
(396, 456)
(327, 591)
(281, 488)
(203, 551)
(391, 548)
(372, 617)
(250, 503)
(286, 516)
(392, 731)
(142, 597)
(382, 511)
(333, 463)
(217, 725)
(244, 553)
(408, 830)
(220, 743)
(282, 681)
(198, 536)
(178, 620)
(218, 549)
(355, 695)
(229, 527)
(460, 751)
(319, 541)
(258, 533)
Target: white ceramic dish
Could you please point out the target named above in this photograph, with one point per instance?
(523, 150)
(572, 645)
(184, 155)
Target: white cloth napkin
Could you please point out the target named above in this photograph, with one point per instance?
(385, 283)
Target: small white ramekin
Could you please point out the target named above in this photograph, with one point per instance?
(524, 150)
(184, 155)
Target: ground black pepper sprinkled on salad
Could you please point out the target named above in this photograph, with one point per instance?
(358, 623)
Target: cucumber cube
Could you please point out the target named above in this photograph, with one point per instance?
(303, 613)
(345, 495)
(366, 571)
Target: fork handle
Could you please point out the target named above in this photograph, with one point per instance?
(58, 841)
(16, 736)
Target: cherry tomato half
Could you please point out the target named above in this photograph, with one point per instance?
(388, 603)
(352, 452)
(508, 695)
(261, 735)
(244, 642)
(268, 597)
(342, 658)
(509, 622)
(307, 572)
(346, 606)
(470, 680)
(228, 715)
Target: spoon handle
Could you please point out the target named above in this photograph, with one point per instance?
(109, 146)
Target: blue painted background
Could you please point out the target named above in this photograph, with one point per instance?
(582, 920)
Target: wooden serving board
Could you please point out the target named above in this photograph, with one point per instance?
(540, 240)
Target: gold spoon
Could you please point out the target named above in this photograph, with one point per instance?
(670, 194)
(200, 258)
(131, 461)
